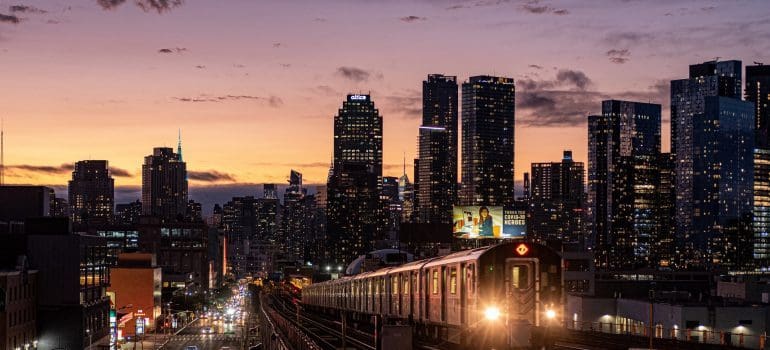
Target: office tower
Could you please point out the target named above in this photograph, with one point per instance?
(488, 141)
(527, 187)
(128, 213)
(406, 193)
(60, 208)
(557, 201)
(164, 185)
(438, 149)
(269, 191)
(194, 211)
(758, 92)
(295, 218)
(354, 211)
(623, 152)
(664, 250)
(239, 224)
(91, 193)
(713, 140)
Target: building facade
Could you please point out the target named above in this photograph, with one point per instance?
(713, 143)
(438, 149)
(488, 121)
(758, 93)
(557, 201)
(164, 185)
(623, 179)
(91, 193)
(355, 216)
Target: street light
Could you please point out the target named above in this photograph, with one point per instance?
(88, 331)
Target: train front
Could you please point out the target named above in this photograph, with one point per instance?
(520, 295)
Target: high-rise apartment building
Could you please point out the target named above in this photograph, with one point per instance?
(438, 149)
(91, 193)
(488, 121)
(623, 152)
(164, 185)
(758, 92)
(557, 201)
(713, 143)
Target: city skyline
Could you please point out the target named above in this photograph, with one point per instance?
(263, 84)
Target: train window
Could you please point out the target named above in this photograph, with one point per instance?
(453, 281)
(406, 285)
(435, 281)
(471, 276)
(520, 277)
(395, 285)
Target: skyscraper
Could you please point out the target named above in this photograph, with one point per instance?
(294, 218)
(91, 193)
(438, 149)
(758, 92)
(557, 200)
(664, 249)
(354, 211)
(713, 140)
(623, 152)
(164, 185)
(488, 119)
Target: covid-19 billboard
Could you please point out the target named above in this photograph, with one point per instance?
(475, 222)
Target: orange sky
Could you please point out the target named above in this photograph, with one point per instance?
(84, 82)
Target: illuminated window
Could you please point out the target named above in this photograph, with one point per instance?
(453, 281)
(435, 282)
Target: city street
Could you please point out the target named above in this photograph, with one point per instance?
(223, 336)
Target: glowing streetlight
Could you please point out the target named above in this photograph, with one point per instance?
(492, 313)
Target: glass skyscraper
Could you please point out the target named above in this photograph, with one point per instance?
(758, 92)
(164, 184)
(438, 149)
(623, 180)
(713, 145)
(91, 193)
(355, 214)
(557, 201)
(488, 121)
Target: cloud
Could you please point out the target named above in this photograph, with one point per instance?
(563, 103)
(411, 19)
(619, 56)
(277, 45)
(535, 66)
(159, 6)
(408, 105)
(26, 9)
(41, 169)
(534, 7)
(565, 78)
(118, 172)
(628, 39)
(209, 176)
(272, 101)
(173, 49)
(9, 19)
(61, 169)
(354, 74)
(200, 66)
(285, 65)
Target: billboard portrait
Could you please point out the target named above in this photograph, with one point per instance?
(477, 222)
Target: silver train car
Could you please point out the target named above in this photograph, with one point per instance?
(492, 296)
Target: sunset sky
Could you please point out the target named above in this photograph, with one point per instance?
(254, 85)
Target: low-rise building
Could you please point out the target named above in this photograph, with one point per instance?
(136, 282)
(18, 309)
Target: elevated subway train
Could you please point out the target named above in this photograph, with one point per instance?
(490, 296)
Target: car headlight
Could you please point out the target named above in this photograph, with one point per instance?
(492, 313)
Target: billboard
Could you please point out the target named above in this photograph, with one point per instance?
(474, 222)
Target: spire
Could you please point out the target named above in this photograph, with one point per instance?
(404, 163)
(179, 146)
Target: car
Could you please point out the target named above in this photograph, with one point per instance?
(207, 330)
(191, 347)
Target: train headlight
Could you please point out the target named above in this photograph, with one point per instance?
(492, 313)
(550, 314)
